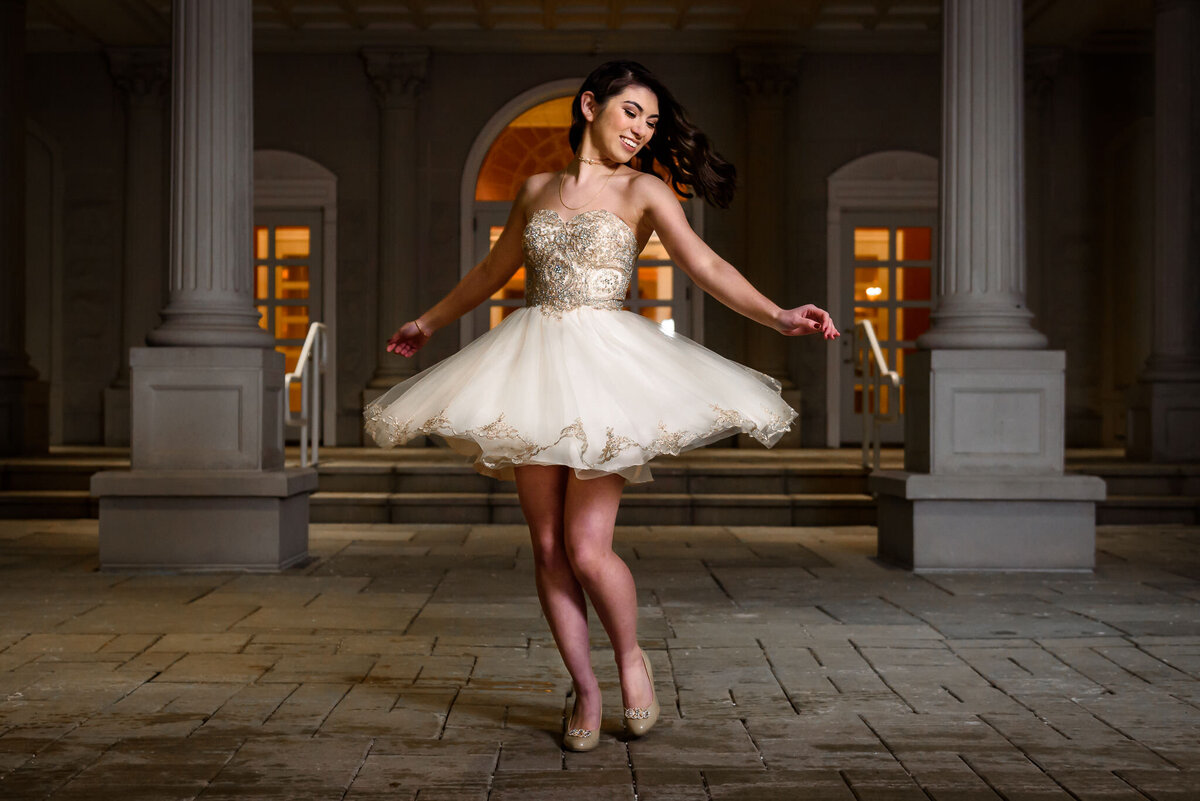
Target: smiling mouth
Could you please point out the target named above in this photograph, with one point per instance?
(629, 143)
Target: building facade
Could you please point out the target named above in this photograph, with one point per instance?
(380, 135)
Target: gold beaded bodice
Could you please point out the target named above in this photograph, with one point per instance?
(584, 261)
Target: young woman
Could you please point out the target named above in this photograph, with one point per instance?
(570, 395)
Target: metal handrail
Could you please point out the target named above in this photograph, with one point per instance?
(308, 373)
(870, 364)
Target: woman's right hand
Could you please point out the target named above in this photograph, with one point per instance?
(408, 340)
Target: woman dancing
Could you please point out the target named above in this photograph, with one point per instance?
(570, 395)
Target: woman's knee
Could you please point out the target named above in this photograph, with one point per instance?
(588, 558)
(549, 551)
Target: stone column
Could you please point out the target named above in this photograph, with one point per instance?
(208, 489)
(767, 78)
(24, 401)
(981, 291)
(141, 75)
(396, 77)
(1164, 415)
(983, 485)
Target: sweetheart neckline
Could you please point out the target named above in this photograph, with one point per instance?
(567, 221)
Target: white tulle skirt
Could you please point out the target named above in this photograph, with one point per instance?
(598, 390)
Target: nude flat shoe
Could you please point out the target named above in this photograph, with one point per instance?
(579, 739)
(639, 720)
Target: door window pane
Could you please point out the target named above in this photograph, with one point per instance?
(871, 244)
(871, 283)
(878, 317)
(291, 241)
(291, 282)
(291, 322)
(263, 321)
(914, 244)
(655, 283)
(913, 283)
(513, 289)
(911, 323)
(261, 292)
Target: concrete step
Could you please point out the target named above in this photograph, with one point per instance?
(47, 504)
(1148, 510)
(692, 479)
(644, 508)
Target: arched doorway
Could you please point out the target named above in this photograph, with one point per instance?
(295, 262)
(882, 253)
(529, 135)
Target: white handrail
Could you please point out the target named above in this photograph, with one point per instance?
(869, 364)
(313, 356)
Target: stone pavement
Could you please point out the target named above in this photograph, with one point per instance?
(413, 663)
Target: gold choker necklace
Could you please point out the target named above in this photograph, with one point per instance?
(589, 161)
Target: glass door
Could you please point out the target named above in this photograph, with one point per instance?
(887, 277)
(287, 280)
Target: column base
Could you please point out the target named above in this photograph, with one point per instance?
(207, 408)
(117, 416)
(999, 522)
(24, 417)
(1164, 421)
(203, 520)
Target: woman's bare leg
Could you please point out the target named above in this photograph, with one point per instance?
(589, 514)
(542, 492)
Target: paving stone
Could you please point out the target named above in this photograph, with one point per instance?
(414, 663)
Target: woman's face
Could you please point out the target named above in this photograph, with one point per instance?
(624, 124)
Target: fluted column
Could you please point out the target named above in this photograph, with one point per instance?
(983, 486)
(981, 287)
(23, 406)
(211, 296)
(1164, 422)
(767, 78)
(141, 75)
(396, 77)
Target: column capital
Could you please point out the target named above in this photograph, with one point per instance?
(141, 73)
(768, 71)
(396, 74)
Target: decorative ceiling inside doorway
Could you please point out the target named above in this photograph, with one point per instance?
(581, 25)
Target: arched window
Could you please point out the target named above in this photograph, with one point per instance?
(533, 141)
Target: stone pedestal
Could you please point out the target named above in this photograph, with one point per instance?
(983, 487)
(204, 520)
(1164, 421)
(207, 489)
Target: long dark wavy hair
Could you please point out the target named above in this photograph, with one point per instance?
(681, 148)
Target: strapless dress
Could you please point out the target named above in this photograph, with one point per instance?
(572, 379)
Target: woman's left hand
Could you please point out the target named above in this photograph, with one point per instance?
(806, 319)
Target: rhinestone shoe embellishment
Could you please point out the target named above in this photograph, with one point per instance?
(637, 713)
(580, 733)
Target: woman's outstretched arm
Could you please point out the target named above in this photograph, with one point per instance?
(484, 279)
(718, 277)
